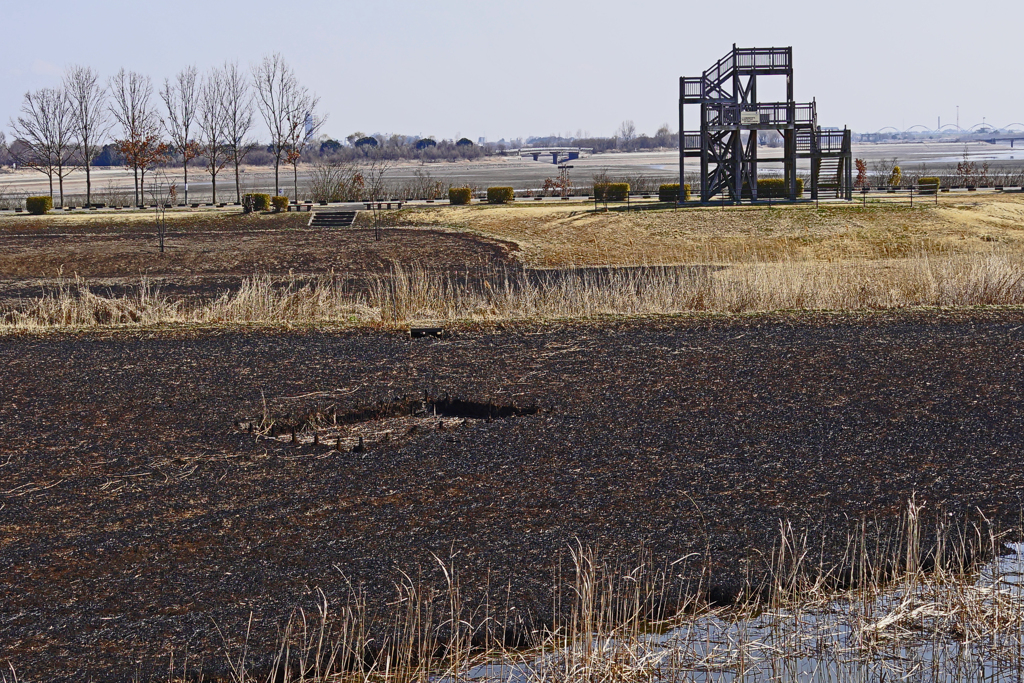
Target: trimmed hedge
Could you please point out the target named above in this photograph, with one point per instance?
(611, 192)
(929, 184)
(500, 195)
(38, 205)
(775, 188)
(670, 193)
(254, 202)
(460, 195)
(279, 203)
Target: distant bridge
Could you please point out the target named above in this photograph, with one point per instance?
(557, 153)
(1010, 139)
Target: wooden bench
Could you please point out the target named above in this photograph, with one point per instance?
(381, 205)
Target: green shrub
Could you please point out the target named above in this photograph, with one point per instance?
(38, 205)
(460, 195)
(500, 195)
(929, 184)
(775, 188)
(611, 192)
(279, 203)
(255, 202)
(670, 193)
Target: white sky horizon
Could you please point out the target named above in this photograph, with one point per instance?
(506, 69)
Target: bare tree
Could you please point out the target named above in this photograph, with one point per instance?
(274, 83)
(164, 194)
(627, 133)
(141, 144)
(213, 125)
(375, 190)
(238, 119)
(182, 99)
(303, 124)
(333, 181)
(46, 131)
(883, 170)
(89, 117)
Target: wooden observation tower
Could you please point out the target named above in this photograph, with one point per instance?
(731, 117)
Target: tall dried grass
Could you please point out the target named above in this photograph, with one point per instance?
(407, 294)
(910, 610)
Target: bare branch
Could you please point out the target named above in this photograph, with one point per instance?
(238, 104)
(213, 125)
(46, 133)
(131, 108)
(89, 116)
(182, 99)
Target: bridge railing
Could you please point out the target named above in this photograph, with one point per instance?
(692, 140)
(764, 58)
(768, 114)
(831, 141)
(693, 88)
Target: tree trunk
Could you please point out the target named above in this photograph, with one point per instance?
(51, 187)
(238, 186)
(60, 184)
(142, 187)
(295, 181)
(186, 182)
(136, 169)
(88, 183)
(213, 184)
(277, 175)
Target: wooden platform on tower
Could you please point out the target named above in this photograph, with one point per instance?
(731, 117)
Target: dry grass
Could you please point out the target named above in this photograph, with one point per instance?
(558, 236)
(620, 622)
(408, 295)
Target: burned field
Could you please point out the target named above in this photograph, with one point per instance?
(208, 255)
(152, 491)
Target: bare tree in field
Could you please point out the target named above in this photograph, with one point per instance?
(213, 125)
(141, 145)
(274, 83)
(46, 131)
(238, 115)
(375, 190)
(627, 134)
(89, 117)
(303, 124)
(165, 195)
(182, 100)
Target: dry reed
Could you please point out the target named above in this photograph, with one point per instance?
(911, 610)
(408, 294)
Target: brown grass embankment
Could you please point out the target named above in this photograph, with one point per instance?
(409, 294)
(559, 236)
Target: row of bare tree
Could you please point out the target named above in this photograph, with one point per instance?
(61, 130)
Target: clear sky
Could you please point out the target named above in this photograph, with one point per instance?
(499, 68)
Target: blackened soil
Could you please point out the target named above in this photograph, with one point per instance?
(201, 264)
(135, 515)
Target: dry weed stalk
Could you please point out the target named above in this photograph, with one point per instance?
(408, 294)
(895, 619)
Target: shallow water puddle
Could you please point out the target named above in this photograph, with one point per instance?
(926, 628)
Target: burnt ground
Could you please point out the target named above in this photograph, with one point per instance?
(135, 515)
(205, 256)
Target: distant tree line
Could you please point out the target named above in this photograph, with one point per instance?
(207, 121)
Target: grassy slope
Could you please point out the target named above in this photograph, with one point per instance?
(561, 235)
